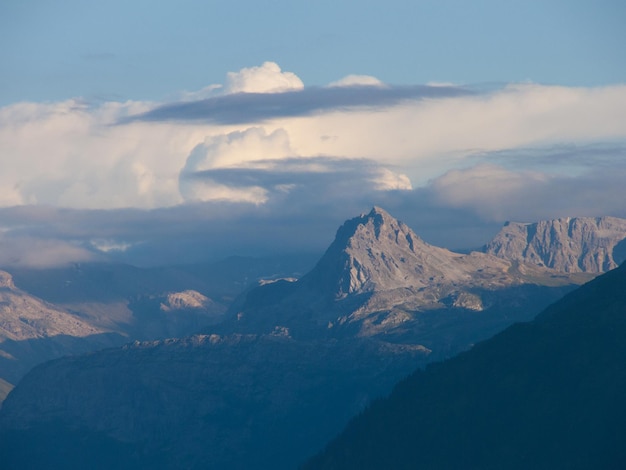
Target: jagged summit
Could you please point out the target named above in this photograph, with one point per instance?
(569, 244)
(375, 251)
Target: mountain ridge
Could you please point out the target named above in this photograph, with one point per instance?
(376, 274)
(569, 244)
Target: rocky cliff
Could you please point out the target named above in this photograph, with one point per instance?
(576, 244)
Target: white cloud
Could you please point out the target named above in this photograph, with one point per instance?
(235, 149)
(239, 148)
(71, 154)
(386, 180)
(357, 80)
(267, 78)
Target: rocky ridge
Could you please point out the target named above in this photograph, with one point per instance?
(571, 244)
(379, 277)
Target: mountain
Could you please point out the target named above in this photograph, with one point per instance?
(545, 394)
(293, 360)
(33, 331)
(572, 244)
(207, 401)
(379, 279)
(48, 313)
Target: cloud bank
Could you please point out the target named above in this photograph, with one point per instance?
(84, 180)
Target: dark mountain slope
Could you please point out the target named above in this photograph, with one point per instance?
(543, 395)
(206, 402)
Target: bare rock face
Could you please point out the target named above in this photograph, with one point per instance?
(375, 252)
(579, 244)
(25, 317)
(32, 330)
(188, 299)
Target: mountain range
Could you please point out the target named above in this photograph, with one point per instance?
(293, 359)
(49, 313)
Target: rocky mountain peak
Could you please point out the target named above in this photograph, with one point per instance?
(569, 244)
(375, 251)
(371, 228)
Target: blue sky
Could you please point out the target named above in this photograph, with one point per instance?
(157, 132)
(151, 50)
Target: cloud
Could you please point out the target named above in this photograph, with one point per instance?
(267, 78)
(246, 108)
(301, 213)
(324, 178)
(247, 165)
(236, 148)
(248, 168)
(306, 200)
(71, 154)
(524, 193)
(203, 93)
(357, 80)
(116, 155)
(37, 252)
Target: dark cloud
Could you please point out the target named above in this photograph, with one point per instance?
(606, 155)
(328, 172)
(241, 108)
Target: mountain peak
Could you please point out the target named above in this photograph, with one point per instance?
(378, 211)
(375, 251)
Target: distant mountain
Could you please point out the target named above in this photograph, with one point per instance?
(33, 331)
(379, 279)
(292, 361)
(543, 395)
(85, 307)
(576, 244)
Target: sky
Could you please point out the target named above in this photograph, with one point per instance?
(176, 132)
